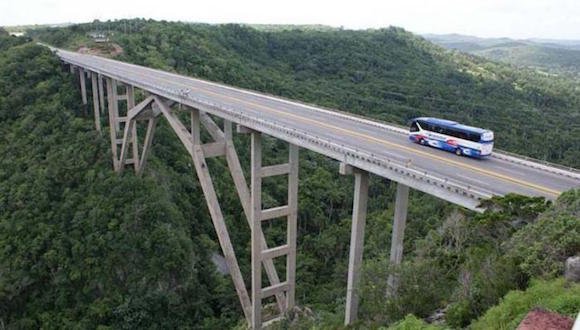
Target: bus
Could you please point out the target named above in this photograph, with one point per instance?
(448, 135)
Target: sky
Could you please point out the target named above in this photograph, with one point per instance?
(521, 19)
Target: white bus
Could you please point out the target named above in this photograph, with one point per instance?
(452, 136)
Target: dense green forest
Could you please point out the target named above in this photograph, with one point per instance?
(83, 247)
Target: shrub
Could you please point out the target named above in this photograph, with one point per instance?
(411, 322)
(555, 295)
(541, 248)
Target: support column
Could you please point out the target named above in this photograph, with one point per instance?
(244, 195)
(96, 109)
(256, 228)
(359, 212)
(83, 85)
(151, 125)
(101, 93)
(293, 160)
(201, 168)
(113, 122)
(401, 203)
(260, 252)
(134, 139)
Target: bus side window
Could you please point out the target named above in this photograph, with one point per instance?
(427, 126)
(462, 135)
(414, 127)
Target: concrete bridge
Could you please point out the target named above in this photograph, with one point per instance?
(362, 147)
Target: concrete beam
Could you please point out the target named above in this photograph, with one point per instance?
(113, 122)
(101, 93)
(359, 212)
(136, 111)
(195, 126)
(258, 245)
(83, 85)
(293, 161)
(213, 129)
(211, 199)
(256, 228)
(134, 138)
(214, 149)
(96, 108)
(127, 138)
(345, 169)
(399, 223)
(152, 124)
(221, 229)
(243, 129)
(244, 195)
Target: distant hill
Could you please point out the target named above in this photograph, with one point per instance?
(286, 27)
(562, 56)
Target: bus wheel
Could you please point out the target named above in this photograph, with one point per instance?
(458, 152)
(423, 142)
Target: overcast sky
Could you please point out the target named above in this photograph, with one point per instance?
(486, 18)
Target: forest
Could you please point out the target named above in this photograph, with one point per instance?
(84, 247)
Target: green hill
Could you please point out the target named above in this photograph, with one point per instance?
(558, 59)
(83, 247)
(556, 56)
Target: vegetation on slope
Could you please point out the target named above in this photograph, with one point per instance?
(555, 295)
(83, 246)
(80, 246)
(556, 59)
(476, 260)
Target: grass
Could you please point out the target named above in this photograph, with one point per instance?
(556, 295)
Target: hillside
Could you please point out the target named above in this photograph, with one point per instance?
(561, 57)
(81, 246)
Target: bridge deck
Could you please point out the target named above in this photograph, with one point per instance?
(492, 176)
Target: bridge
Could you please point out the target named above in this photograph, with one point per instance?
(360, 145)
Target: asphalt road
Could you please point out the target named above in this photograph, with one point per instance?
(492, 175)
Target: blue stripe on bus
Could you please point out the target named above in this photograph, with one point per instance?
(442, 144)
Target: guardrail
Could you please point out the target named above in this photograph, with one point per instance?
(569, 172)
